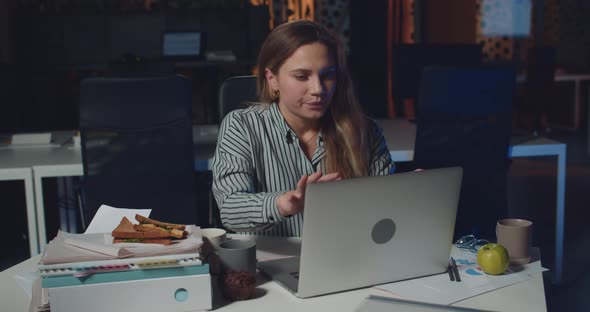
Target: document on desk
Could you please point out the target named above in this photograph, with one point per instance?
(438, 289)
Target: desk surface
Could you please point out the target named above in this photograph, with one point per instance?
(525, 296)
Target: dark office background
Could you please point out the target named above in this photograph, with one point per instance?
(46, 50)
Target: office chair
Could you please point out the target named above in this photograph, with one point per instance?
(410, 60)
(236, 92)
(464, 119)
(137, 147)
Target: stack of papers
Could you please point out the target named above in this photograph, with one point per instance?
(92, 259)
(68, 248)
(97, 243)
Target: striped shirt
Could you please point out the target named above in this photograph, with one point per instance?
(258, 158)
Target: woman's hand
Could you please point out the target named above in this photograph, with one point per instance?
(291, 202)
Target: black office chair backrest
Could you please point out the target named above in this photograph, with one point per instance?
(410, 60)
(464, 119)
(236, 92)
(137, 146)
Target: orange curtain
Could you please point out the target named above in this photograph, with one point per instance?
(400, 29)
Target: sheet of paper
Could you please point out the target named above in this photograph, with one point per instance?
(439, 289)
(67, 247)
(58, 251)
(386, 304)
(97, 243)
(107, 250)
(107, 218)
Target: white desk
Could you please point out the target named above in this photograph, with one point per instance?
(522, 297)
(577, 79)
(399, 134)
(12, 170)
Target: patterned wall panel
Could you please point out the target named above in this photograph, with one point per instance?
(495, 48)
(287, 10)
(334, 14)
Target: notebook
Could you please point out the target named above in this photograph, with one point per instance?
(372, 230)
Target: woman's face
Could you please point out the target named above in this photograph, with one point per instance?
(306, 82)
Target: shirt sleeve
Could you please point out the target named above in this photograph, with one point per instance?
(380, 157)
(241, 207)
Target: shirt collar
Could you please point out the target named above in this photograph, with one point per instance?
(284, 128)
(280, 122)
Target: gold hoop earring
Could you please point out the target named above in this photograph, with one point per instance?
(276, 94)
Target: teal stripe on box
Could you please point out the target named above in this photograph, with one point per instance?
(110, 277)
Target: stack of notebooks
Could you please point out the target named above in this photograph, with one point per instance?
(90, 272)
(179, 282)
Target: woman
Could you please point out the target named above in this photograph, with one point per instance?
(307, 128)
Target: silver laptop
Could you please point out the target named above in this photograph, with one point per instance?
(372, 230)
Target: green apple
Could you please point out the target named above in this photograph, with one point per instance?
(493, 258)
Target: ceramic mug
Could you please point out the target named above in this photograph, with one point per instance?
(515, 235)
(238, 255)
(214, 236)
(238, 266)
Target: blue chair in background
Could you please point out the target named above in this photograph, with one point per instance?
(464, 119)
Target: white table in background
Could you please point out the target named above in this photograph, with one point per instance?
(66, 161)
(521, 297)
(577, 79)
(12, 169)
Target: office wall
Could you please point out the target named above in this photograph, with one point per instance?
(446, 21)
(573, 47)
(5, 21)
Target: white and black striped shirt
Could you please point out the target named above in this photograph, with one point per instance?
(258, 158)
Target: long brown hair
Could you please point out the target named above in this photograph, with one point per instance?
(343, 127)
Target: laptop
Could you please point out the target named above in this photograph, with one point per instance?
(372, 230)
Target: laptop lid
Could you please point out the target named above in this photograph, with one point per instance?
(374, 230)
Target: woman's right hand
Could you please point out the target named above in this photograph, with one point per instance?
(291, 202)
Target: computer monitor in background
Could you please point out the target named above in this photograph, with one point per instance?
(410, 60)
(186, 44)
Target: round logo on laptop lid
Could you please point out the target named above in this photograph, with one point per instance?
(383, 231)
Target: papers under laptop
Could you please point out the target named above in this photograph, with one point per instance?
(373, 230)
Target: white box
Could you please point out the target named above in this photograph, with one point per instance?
(170, 294)
(31, 138)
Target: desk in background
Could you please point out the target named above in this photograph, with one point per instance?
(13, 170)
(523, 297)
(577, 105)
(577, 79)
(399, 134)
